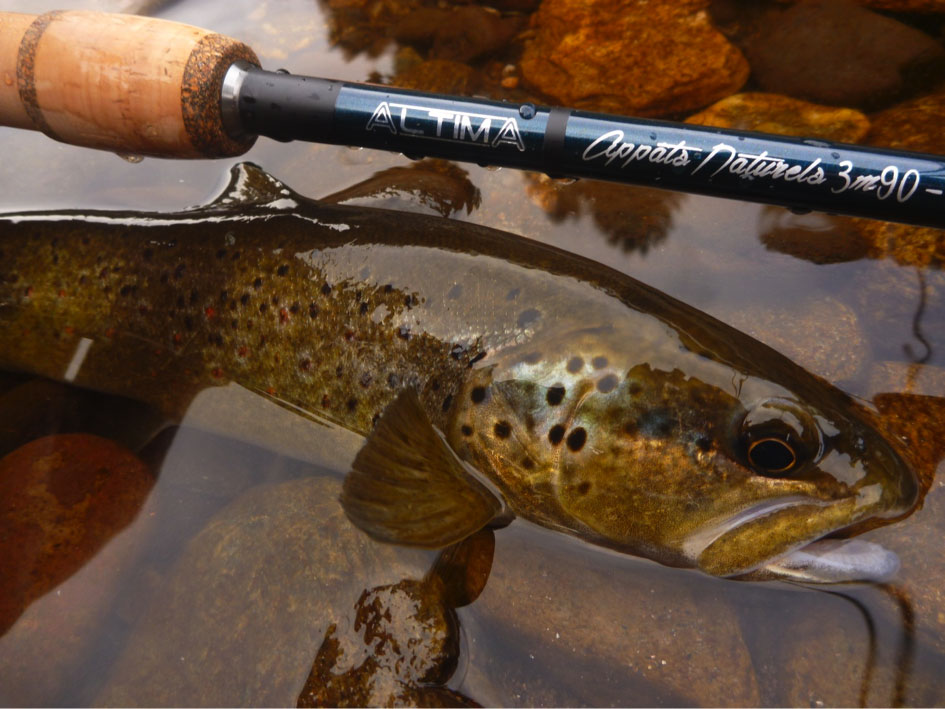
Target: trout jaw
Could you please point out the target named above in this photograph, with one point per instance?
(784, 538)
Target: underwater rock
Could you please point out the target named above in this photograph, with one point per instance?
(66, 514)
(774, 113)
(402, 638)
(634, 57)
(63, 497)
(815, 237)
(253, 598)
(458, 34)
(439, 76)
(822, 335)
(839, 53)
(559, 616)
(919, 422)
(912, 125)
(403, 644)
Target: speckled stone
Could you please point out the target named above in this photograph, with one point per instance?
(62, 498)
(914, 125)
(637, 57)
(66, 508)
(440, 76)
(553, 616)
(774, 113)
(823, 335)
(253, 598)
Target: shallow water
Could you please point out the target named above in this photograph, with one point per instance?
(559, 622)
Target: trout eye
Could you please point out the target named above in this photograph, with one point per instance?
(771, 455)
(778, 437)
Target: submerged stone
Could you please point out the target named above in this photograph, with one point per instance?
(66, 542)
(823, 335)
(439, 76)
(774, 113)
(63, 497)
(839, 53)
(553, 616)
(640, 58)
(914, 125)
(277, 580)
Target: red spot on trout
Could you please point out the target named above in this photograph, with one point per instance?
(210, 312)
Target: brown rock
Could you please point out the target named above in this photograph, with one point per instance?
(439, 76)
(637, 57)
(402, 638)
(818, 238)
(66, 504)
(254, 596)
(913, 125)
(774, 113)
(458, 34)
(839, 53)
(823, 335)
(557, 625)
(62, 497)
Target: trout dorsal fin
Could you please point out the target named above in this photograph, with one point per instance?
(248, 184)
(406, 485)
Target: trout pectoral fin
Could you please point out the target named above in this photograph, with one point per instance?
(406, 485)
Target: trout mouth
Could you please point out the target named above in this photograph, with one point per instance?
(784, 538)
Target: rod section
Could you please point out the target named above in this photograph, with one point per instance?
(796, 173)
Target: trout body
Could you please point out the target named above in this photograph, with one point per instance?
(592, 403)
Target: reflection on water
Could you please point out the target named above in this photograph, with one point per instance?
(238, 580)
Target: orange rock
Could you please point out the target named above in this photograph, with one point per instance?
(639, 57)
(61, 498)
(774, 113)
(913, 125)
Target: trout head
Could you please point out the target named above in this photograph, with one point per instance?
(734, 478)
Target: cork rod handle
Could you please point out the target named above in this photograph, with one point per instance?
(124, 83)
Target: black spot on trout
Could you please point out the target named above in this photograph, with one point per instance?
(664, 466)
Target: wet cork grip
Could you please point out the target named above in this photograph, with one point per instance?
(133, 85)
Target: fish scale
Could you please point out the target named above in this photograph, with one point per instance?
(491, 375)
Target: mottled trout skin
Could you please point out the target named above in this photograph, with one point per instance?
(597, 405)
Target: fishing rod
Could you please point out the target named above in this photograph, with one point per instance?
(144, 86)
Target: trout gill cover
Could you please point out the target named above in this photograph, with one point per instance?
(491, 375)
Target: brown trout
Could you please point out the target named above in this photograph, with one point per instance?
(491, 375)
